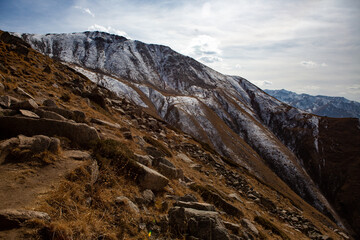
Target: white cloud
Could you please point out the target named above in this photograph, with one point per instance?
(238, 66)
(263, 84)
(85, 10)
(109, 29)
(203, 45)
(311, 64)
(210, 59)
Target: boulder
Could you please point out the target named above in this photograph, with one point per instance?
(29, 104)
(184, 158)
(151, 179)
(148, 196)
(21, 91)
(143, 159)
(167, 171)
(39, 143)
(49, 115)
(234, 228)
(6, 146)
(49, 103)
(188, 198)
(210, 196)
(248, 224)
(103, 122)
(6, 101)
(127, 202)
(13, 218)
(63, 112)
(79, 116)
(77, 154)
(196, 223)
(79, 133)
(195, 205)
(27, 113)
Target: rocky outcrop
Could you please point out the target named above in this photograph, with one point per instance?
(14, 218)
(79, 133)
(35, 144)
(151, 179)
(197, 223)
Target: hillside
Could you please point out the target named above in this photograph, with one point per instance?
(239, 120)
(337, 107)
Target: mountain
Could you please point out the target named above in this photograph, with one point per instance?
(243, 123)
(337, 107)
(79, 162)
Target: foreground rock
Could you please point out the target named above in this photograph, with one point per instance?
(35, 144)
(197, 223)
(13, 218)
(79, 133)
(151, 179)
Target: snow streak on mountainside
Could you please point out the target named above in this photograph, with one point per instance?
(227, 111)
(338, 107)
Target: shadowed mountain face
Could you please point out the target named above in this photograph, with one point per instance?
(237, 118)
(337, 107)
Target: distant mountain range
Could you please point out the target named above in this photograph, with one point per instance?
(337, 107)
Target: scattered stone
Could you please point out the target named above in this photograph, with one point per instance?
(21, 91)
(28, 113)
(184, 158)
(39, 143)
(6, 146)
(167, 171)
(63, 112)
(246, 223)
(148, 196)
(196, 223)
(212, 197)
(49, 103)
(79, 133)
(79, 116)
(135, 123)
(234, 228)
(343, 235)
(195, 205)
(188, 198)
(5, 101)
(13, 218)
(103, 122)
(143, 159)
(196, 167)
(164, 161)
(77, 154)
(235, 197)
(49, 115)
(2, 87)
(125, 201)
(151, 179)
(27, 105)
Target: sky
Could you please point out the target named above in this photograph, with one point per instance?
(305, 46)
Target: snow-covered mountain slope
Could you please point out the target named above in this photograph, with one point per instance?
(337, 107)
(236, 117)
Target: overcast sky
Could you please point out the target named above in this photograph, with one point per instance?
(306, 46)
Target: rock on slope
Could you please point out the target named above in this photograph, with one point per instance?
(337, 107)
(226, 111)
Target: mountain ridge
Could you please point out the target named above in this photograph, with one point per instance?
(244, 115)
(321, 105)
